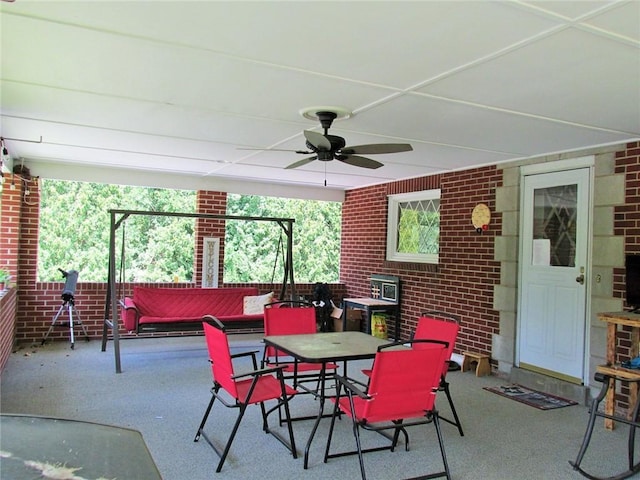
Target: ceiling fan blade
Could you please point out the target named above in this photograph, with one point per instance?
(357, 161)
(377, 148)
(303, 152)
(318, 140)
(300, 163)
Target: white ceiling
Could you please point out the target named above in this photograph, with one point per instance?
(132, 91)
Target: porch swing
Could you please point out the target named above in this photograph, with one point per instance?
(118, 218)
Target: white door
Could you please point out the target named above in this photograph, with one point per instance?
(552, 289)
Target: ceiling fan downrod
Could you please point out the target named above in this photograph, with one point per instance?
(326, 120)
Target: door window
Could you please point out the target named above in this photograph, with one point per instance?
(555, 216)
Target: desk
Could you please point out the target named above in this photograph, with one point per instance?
(38, 445)
(370, 305)
(324, 348)
(614, 319)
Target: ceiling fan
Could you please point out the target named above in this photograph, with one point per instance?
(325, 147)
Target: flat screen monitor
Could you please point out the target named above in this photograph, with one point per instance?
(632, 265)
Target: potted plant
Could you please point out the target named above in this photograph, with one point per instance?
(5, 276)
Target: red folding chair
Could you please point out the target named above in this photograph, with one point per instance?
(241, 390)
(401, 393)
(290, 318)
(445, 327)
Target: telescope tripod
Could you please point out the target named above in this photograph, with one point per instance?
(68, 304)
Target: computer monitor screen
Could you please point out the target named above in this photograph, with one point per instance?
(632, 265)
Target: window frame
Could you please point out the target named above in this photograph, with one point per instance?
(393, 207)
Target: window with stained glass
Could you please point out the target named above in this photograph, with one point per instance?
(413, 228)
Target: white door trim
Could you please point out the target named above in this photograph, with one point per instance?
(550, 167)
(558, 166)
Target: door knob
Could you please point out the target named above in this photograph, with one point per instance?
(580, 279)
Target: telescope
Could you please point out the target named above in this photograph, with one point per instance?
(69, 306)
(69, 289)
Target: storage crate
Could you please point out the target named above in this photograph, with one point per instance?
(354, 321)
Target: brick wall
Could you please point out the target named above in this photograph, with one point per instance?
(462, 283)
(627, 217)
(627, 225)
(7, 324)
(35, 302)
(10, 212)
(214, 203)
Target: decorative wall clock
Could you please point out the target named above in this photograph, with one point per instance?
(480, 217)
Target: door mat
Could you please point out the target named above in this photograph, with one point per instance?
(533, 398)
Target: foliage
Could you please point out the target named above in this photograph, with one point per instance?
(74, 234)
(316, 240)
(418, 231)
(5, 276)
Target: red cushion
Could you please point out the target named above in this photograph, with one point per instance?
(190, 303)
(222, 318)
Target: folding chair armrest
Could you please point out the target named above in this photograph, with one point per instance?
(259, 372)
(251, 354)
(391, 344)
(244, 354)
(349, 385)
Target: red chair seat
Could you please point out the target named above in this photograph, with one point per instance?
(266, 388)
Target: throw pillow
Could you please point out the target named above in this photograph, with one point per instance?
(254, 305)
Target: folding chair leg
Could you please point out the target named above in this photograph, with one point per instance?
(204, 418)
(265, 423)
(223, 454)
(291, 444)
(456, 421)
(356, 433)
(292, 441)
(227, 447)
(396, 436)
(436, 423)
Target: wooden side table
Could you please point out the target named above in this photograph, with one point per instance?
(614, 319)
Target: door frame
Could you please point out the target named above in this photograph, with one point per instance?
(552, 167)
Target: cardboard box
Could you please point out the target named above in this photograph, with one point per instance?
(354, 321)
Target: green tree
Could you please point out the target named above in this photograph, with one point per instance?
(75, 224)
(255, 250)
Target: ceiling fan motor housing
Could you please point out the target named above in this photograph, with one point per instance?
(337, 143)
(326, 119)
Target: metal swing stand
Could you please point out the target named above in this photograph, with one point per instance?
(68, 305)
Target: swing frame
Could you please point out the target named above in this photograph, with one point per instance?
(118, 217)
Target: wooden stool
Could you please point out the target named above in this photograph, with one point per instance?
(482, 363)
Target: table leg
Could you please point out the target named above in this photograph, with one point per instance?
(344, 316)
(321, 400)
(633, 386)
(367, 319)
(609, 403)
